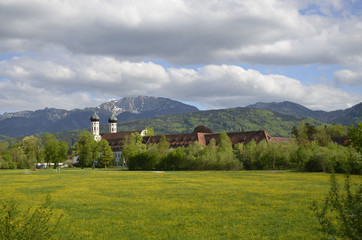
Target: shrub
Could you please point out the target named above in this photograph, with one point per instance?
(299, 157)
(34, 223)
(175, 160)
(354, 162)
(3, 164)
(146, 160)
(340, 215)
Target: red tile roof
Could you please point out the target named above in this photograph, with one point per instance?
(242, 137)
(115, 140)
(175, 140)
(280, 139)
(185, 139)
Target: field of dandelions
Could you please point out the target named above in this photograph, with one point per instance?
(113, 204)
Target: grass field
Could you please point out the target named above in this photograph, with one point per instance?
(112, 204)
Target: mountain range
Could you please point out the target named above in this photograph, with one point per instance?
(156, 109)
(55, 120)
(345, 117)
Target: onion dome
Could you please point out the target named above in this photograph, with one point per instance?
(94, 117)
(112, 119)
(202, 129)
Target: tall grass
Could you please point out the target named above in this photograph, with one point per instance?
(111, 204)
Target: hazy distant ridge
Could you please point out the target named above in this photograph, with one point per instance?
(345, 117)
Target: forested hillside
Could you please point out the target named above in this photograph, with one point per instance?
(345, 117)
(229, 120)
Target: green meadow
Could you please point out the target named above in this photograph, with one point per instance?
(113, 204)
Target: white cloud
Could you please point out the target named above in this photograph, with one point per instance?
(22, 96)
(231, 86)
(348, 77)
(183, 31)
(90, 49)
(72, 83)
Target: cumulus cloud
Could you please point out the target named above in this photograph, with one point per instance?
(23, 96)
(73, 83)
(348, 77)
(184, 31)
(219, 86)
(76, 52)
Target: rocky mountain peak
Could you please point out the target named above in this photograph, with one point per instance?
(52, 120)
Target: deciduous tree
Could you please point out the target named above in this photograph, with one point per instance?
(86, 149)
(106, 154)
(31, 148)
(354, 135)
(54, 151)
(132, 146)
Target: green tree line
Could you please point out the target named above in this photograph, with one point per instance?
(31, 150)
(48, 149)
(310, 149)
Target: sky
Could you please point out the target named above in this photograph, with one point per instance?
(210, 53)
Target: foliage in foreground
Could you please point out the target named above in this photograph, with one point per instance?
(34, 223)
(340, 216)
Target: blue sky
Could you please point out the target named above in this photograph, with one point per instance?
(210, 53)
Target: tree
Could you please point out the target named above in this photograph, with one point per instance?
(63, 152)
(86, 149)
(224, 143)
(354, 134)
(248, 155)
(106, 153)
(193, 154)
(163, 146)
(304, 133)
(51, 148)
(4, 155)
(226, 160)
(300, 134)
(322, 136)
(4, 146)
(18, 157)
(300, 156)
(30, 147)
(149, 131)
(54, 151)
(311, 130)
(337, 130)
(132, 146)
(175, 160)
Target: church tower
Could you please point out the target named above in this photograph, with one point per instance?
(95, 126)
(112, 121)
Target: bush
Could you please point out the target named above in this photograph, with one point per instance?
(316, 162)
(299, 157)
(3, 164)
(144, 161)
(175, 160)
(34, 223)
(340, 216)
(354, 163)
